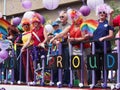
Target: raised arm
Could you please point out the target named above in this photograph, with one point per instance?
(65, 31)
(110, 17)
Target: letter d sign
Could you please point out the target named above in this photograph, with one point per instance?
(111, 61)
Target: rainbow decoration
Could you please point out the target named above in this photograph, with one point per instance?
(3, 27)
(89, 26)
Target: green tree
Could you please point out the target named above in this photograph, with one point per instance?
(115, 8)
(116, 12)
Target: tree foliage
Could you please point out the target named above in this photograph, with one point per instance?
(116, 12)
(115, 8)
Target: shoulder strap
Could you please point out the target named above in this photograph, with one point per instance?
(36, 36)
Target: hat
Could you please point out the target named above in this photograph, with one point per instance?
(35, 19)
(55, 24)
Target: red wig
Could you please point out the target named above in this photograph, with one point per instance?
(116, 21)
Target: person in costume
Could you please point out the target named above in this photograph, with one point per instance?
(117, 36)
(116, 23)
(38, 34)
(39, 38)
(104, 31)
(13, 34)
(75, 37)
(65, 51)
(25, 36)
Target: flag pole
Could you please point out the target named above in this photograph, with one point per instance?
(4, 10)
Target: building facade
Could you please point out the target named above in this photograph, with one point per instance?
(13, 8)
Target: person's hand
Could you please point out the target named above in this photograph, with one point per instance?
(52, 40)
(71, 39)
(111, 12)
(22, 50)
(57, 42)
(87, 36)
(101, 39)
(41, 45)
(9, 37)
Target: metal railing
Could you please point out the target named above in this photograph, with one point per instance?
(59, 84)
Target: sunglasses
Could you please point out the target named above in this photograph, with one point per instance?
(25, 24)
(61, 17)
(102, 12)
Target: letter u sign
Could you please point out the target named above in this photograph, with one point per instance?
(92, 62)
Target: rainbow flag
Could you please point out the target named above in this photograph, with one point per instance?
(3, 27)
(0, 35)
(89, 26)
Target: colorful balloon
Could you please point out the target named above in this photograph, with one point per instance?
(93, 3)
(3, 54)
(42, 19)
(29, 14)
(5, 46)
(27, 4)
(69, 10)
(16, 21)
(85, 10)
(51, 4)
(49, 28)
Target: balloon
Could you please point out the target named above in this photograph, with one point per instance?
(27, 4)
(1, 60)
(85, 10)
(93, 3)
(28, 14)
(49, 28)
(42, 19)
(4, 46)
(0, 15)
(68, 13)
(3, 54)
(16, 21)
(51, 4)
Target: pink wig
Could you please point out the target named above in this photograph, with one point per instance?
(103, 7)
